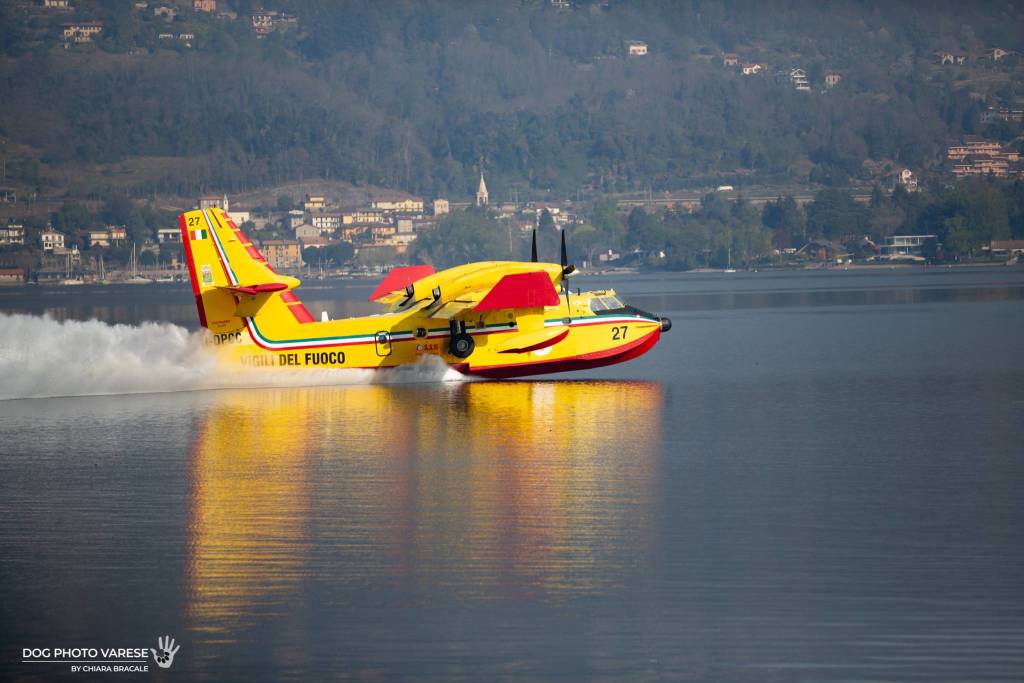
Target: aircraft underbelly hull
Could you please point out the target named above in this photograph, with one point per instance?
(584, 361)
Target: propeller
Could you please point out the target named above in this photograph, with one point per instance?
(565, 257)
(533, 249)
(566, 271)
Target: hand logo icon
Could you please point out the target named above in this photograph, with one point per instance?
(165, 655)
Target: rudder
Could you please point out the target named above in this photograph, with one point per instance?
(230, 278)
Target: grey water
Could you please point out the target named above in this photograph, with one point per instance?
(814, 476)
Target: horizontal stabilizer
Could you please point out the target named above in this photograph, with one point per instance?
(250, 298)
(400, 278)
(520, 290)
(532, 341)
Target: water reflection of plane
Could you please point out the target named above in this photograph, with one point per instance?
(479, 488)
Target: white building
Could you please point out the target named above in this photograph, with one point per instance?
(212, 201)
(239, 217)
(905, 246)
(51, 239)
(164, 235)
(401, 205)
(325, 221)
(12, 233)
(306, 231)
(636, 48)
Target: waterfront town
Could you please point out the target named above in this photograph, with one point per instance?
(319, 237)
(317, 234)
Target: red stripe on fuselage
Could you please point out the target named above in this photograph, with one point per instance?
(582, 362)
(192, 277)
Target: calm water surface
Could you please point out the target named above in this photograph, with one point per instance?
(813, 477)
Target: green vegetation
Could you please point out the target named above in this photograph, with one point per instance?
(720, 233)
(463, 237)
(418, 95)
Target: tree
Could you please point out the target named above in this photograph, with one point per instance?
(546, 223)
(787, 221)
(311, 256)
(462, 237)
(834, 214)
(338, 253)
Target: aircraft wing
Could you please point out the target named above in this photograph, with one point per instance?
(515, 291)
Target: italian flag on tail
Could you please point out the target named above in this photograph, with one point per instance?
(199, 234)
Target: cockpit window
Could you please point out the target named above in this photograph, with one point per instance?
(605, 303)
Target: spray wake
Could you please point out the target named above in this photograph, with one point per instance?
(42, 357)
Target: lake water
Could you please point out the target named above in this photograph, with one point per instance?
(815, 476)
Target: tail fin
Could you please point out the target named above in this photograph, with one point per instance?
(230, 278)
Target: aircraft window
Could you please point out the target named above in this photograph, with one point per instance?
(614, 302)
(605, 303)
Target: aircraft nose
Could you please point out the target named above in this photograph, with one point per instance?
(666, 324)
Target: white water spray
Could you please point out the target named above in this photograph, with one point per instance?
(42, 357)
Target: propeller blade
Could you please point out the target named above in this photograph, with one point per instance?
(565, 263)
(533, 249)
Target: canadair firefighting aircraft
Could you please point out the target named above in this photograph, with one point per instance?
(489, 319)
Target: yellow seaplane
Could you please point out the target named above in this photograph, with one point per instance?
(489, 319)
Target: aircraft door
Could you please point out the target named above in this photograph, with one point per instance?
(383, 342)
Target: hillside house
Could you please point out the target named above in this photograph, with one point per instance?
(305, 231)
(51, 239)
(798, 77)
(79, 32)
(982, 164)
(730, 59)
(325, 221)
(996, 53)
(1002, 114)
(972, 144)
(832, 79)
(636, 48)
(904, 178)
(12, 233)
(204, 5)
(57, 4)
(313, 201)
(212, 201)
(440, 207)
(168, 235)
(368, 217)
(400, 206)
(282, 253)
(262, 22)
(166, 12)
(751, 69)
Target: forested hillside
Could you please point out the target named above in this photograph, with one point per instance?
(418, 95)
